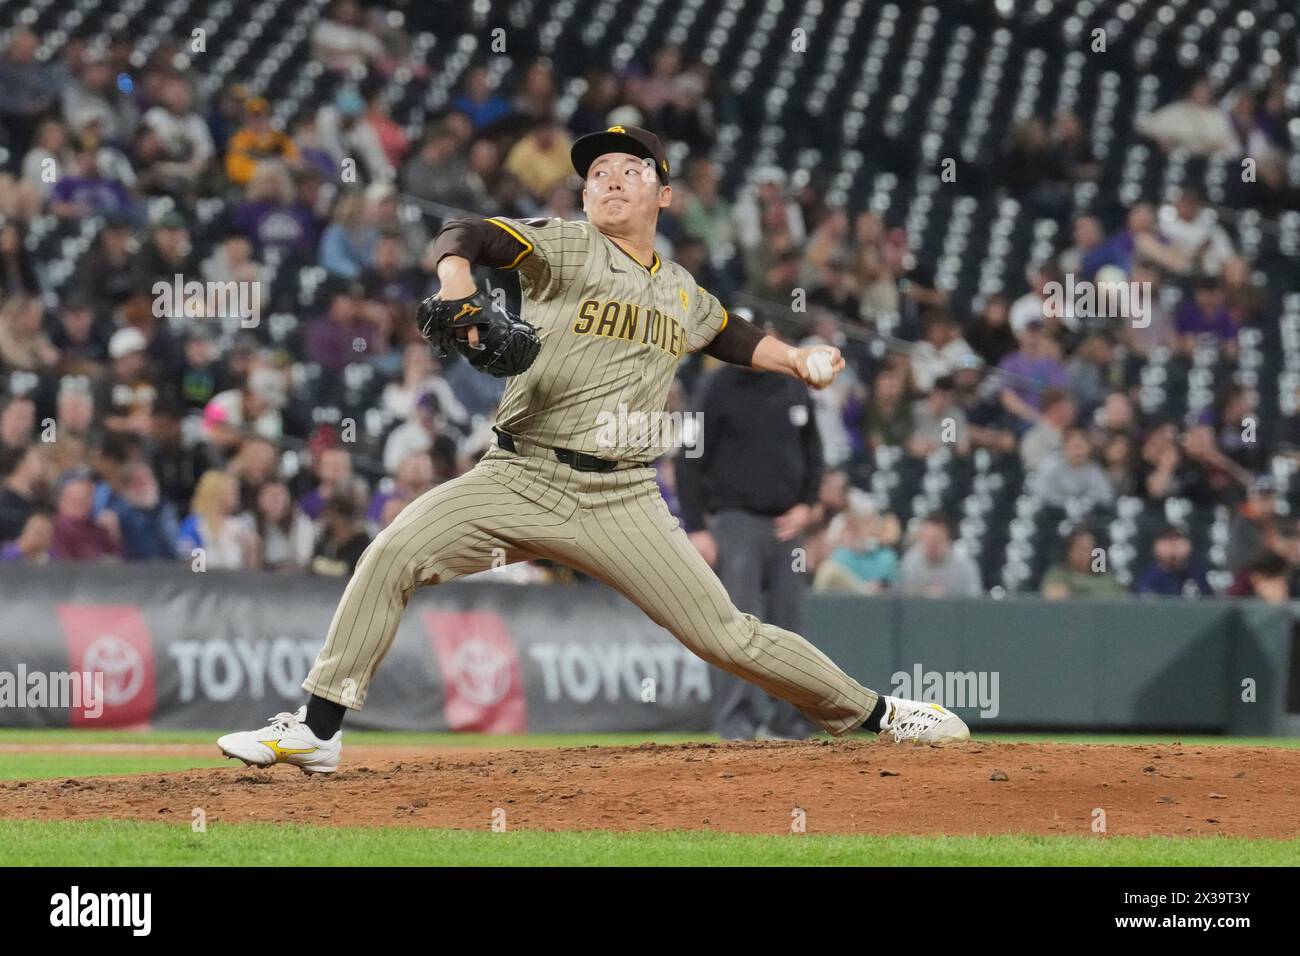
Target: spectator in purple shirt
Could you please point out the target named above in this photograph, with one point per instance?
(32, 546)
(341, 336)
(336, 478)
(86, 191)
(1028, 371)
(272, 217)
(1206, 315)
(413, 478)
(1139, 241)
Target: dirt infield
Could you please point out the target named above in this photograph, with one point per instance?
(842, 787)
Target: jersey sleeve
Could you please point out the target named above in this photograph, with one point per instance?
(707, 319)
(550, 253)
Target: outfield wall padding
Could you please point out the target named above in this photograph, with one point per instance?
(227, 649)
(221, 649)
(1130, 664)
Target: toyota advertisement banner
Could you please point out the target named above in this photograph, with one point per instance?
(159, 646)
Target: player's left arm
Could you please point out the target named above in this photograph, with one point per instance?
(737, 341)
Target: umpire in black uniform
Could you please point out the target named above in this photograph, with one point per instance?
(747, 490)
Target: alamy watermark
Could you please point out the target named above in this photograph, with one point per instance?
(1117, 299)
(949, 688)
(133, 911)
(62, 690)
(209, 300)
(651, 431)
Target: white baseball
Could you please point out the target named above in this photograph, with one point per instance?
(820, 371)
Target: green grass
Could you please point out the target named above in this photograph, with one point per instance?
(56, 766)
(120, 843)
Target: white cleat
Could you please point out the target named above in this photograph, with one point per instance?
(921, 723)
(285, 740)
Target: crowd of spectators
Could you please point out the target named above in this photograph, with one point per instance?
(130, 435)
(1055, 386)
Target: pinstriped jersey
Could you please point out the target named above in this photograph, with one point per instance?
(612, 331)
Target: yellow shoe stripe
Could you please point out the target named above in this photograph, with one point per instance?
(282, 752)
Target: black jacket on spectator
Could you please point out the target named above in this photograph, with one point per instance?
(14, 512)
(151, 266)
(991, 343)
(339, 560)
(760, 450)
(104, 281)
(18, 276)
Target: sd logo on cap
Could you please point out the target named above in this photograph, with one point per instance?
(620, 139)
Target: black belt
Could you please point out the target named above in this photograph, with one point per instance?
(577, 460)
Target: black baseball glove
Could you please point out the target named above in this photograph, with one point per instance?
(506, 345)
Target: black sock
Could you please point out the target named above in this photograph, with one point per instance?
(324, 717)
(872, 723)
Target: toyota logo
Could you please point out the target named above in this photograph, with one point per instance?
(122, 666)
(480, 672)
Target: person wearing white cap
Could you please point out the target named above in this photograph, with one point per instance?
(127, 341)
(127, 395)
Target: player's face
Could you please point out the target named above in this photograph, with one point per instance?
(621, 190)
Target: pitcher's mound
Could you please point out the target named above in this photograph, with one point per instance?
(826, 787)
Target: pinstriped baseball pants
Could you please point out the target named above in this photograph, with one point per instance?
(614, 527)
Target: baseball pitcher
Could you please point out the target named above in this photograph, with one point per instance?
(603, 325)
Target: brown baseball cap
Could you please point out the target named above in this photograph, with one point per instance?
(620, 139)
